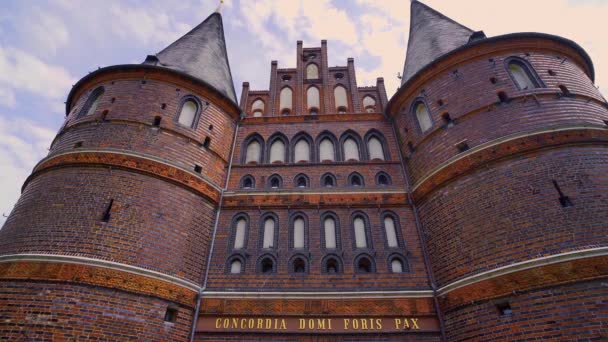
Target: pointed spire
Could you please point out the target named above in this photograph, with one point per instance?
(219, 7)
(201, 53)
(432, 35)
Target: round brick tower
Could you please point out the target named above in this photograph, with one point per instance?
(109, 237)
(505, 145)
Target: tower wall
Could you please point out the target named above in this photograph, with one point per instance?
(117, 219)
(495, 229)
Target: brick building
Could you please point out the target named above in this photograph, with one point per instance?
(472, 205)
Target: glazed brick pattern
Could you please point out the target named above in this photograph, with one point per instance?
(47, 311)
(466, 235)
(315, 279)
(128, 126)
(575, 312)
(153, 224)
(471, 100)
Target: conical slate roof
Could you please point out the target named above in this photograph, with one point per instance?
(201, 53)
(432, 35)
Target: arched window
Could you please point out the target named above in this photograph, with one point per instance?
(277, 151)
(329, 229)
(248, 182)
(328, 180)
(522, 75)
(267, 264)
(302, 151)
(301, 181)
(397, 263)
(275, 182)
(254, 152)
(351, 149)
(374, 146)
(236, 266)
(383, 179)
(92, 102)
(331, 264)
(369, 104)
(396, 266)
(391, 232)
(240, 231)
(423, 116)
(299, 232)
(340, 98)
(257, 108)
(312, 72)
(286, 99)
(360, 232)
(312, 98)
(299, 264)
(355, 179)
(188, 113)
(269, 233)
(364, 264)
(327, 151)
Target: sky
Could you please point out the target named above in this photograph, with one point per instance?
(47, 46)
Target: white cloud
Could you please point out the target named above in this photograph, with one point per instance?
(22, 144)
(20, 70)
(44, 32)
(7, 97)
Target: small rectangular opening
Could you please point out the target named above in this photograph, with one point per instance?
(206, 142)
(171, 314)
(411, 147)
(448, 120)
(78, 144)
(504, 309)
(157, 120)
(463, 146)
(198, 168)
(502, 97)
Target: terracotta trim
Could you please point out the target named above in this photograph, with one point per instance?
(524, 265)
(572, 270)
(80, 270)
(316, 200)
(315, 164)
(506, 146)
(131, 161)
(319, 295)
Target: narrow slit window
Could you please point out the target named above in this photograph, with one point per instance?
(312, 72)
(268, 241)
(329, 225)
(257, 108)
(391, 232)
(298, 232)
(312, 98)
(369, 104)
(239, 234)
(360, 235)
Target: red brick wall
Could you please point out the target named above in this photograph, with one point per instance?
(48, 311)
(471, 100)
(561, 313)
(153, 224)
(250, 279)
(129, 120)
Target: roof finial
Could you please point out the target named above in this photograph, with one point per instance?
(219, 7)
